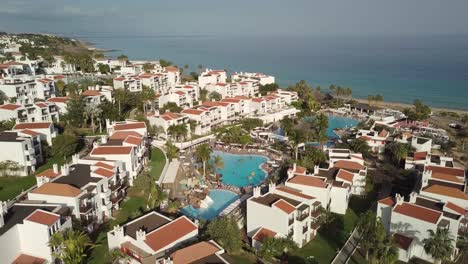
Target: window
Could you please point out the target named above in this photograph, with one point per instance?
(27, 157)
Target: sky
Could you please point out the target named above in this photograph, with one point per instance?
(235, 17)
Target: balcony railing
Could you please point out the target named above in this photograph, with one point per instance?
(315, 213)
(117, 198)
(291, 221)
(85, 208)
(88, 220)
(302, 217)
(315, 225)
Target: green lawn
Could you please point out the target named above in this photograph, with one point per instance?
(158, 160)
(10, 187)
(328, 242)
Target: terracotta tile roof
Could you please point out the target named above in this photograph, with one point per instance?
(284, 206)
(104, 172)
(120, 79)
(446, 177)
(258, 100)
(59, 77)
(108, 150)
(221, 84)
(420, 155)
(402, 241)
(170, 233)
(242, 97)
(129, 126)
(446, 191)
(48, 173)
(455, 208)
(294, 192)
(170, 116)
(28, 259)
(10, 106)
(194, 252)
(30, 132)
(383, 133)
(57, 189)
(418, 212)
(445, 173)
(43, 217)
(104, 165)
(41, 105)
(345, 175)
(124, 134)
(308, 180)
(133, 140)
(231, 100)
(171, 69)
(39, 125)
(45, 80)
(187, 86)
(192, 111)
(58, 99)
(180, 93)
(91, 93)
(388, 201)
(348, 165)
(263, 233)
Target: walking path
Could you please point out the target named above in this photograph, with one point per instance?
(348, 249)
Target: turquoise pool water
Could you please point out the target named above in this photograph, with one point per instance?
(241, 170)
(335, 122)
(221, 199)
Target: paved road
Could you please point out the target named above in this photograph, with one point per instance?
(347, 250)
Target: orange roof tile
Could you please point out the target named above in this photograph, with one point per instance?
(57, 189)
(133, 140)
(58, 99)
(402, 241)
(48, 173)
(308, 180)
(10, 106)
(420, 155)
(192, 111)
(124, 134)
(104, 172)
(263, 233)
(194, 252)
(108, 150)
(345, 175)
(418, 212)
(348, 165)
(28, 259)
(170, 233)
(284, 206)
(127, 126)
(446, 191)
(38, 125)
(43, 217)
(91, 93)
(300, 170)
(104, 165)
(41, 105)
(388, 201)
(455, 208)
(30, 132)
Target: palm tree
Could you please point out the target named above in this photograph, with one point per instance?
(173, 206)
(439, 244)
(200, 68)
(386, 251)
(171, 150)
(92, 112)
(321, 126)
(369, 229)
(115, 256)
(397, 151)
(359, 145)
(155, 196)
(218, 163)
(70, 246)
(203, 153)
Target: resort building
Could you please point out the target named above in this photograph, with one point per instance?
(26, 229)
(211, 77)
(375, 139)
(241, 104)
(38, 112)
(23, 148)
(97, 94)
(180, 98)
(173, 75)
(60, 102)
(261, 78)
(156, 81)
(45, 130)
(59, 66)
(409, 222)
(148, 238)
(416, 160)
(191, 90)
(421, 144)
(329, 188)
(91, 189)
(347, 167)
(204, 252)
(167, 120)
(128, 126)
(233, 89)
(206, 118)
(128, 82)
(282, 212)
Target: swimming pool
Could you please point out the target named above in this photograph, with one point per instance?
(335, 122)
(241, 170)
(220, 200)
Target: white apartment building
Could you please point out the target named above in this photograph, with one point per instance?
(192, 90)
(424, 158)
(332, 192)
(147, 238)
(168, 119)
(156, 81)
(22, 147)
(349, 168)
(131, 83)
(241, 104)
(46, 130)
(60, 102)
(211, 77)
(173, 75)
(180, 98)
(38, 112)
(409, 221)
(206, 118)
(261, 78)
(128, 126)
(26, 228)
(376, 140)
(282, 212)
(421, 144)
(91, 189)
(59, 66)
(287, 97)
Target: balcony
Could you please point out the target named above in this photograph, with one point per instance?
(314, 225)
(88, 220)
(315, 213)
(85, 208)
(291, 233)
(302, 217)
(117, 198)
(291, 221)
(115, 186)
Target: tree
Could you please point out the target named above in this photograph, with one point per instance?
(173, 206)
(286, 124)
(265, 89)
(321, 125)
(177, 130)
(3, 97)
(115, 256)
(147, 67)
(463, 135)
(464, 119)
(171, 150)
(146, 184)
(218, 163)
(92, 113)
(200, 68)
(274, 247)
(326, 217)
(103, 68)
(420, 111)
(397, 151)
(8, 166)
(171, 107)
(64, 145)
(147, 95)
(164, 63)
(215, 96)
(224, 231)
(122, 58)
(359, 145)
(250, 123)
(311, 157)
(370, 230)
(386, 251)
(70, 246)
(204, 95)
(74, 115)
(203, 153)
(439, 244)
(60, 85)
